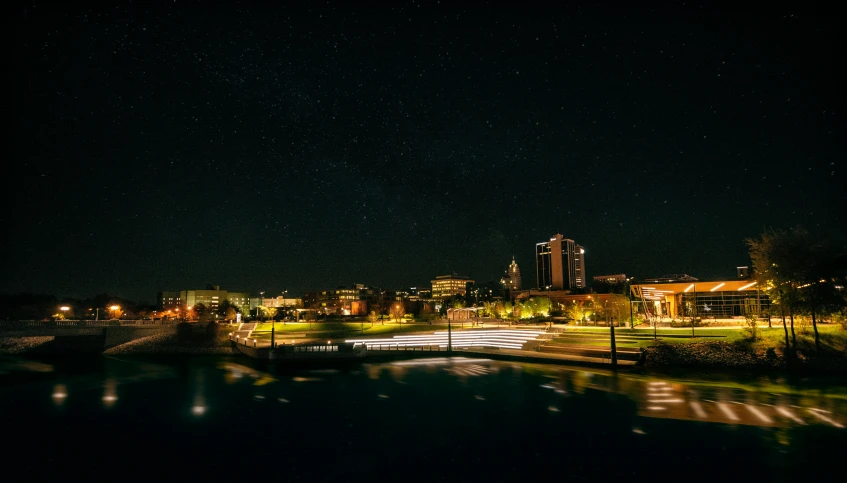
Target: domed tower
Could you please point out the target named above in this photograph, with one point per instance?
(513, 276)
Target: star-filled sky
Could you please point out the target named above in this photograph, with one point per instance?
(164, 147)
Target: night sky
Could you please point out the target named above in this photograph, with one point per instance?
(265, 148)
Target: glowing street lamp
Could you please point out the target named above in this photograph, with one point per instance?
(115, 309)
(284, 311)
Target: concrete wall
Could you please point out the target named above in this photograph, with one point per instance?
(121, 335)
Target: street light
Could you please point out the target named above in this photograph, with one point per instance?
(283, 307)
(612, 336)
(115, 309)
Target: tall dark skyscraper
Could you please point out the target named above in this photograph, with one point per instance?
(559, 264)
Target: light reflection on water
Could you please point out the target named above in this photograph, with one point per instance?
(760, 403)
(471, 408)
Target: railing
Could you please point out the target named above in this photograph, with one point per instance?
(316, 348)
(401, 347)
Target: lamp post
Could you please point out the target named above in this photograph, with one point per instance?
(261, 303)
(629, 298)
(64, 310)
(449, 334)
(114, 310)
(694, 285)
(284, 292)
(273, 330)
(612, 337)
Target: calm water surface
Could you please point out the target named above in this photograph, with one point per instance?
(457, 419)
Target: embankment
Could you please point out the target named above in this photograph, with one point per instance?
(729, 355)
(170, 344)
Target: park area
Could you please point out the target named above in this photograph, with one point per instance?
(716, 347)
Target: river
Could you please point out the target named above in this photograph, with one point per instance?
(443, 419)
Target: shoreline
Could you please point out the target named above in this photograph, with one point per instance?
(703, 357)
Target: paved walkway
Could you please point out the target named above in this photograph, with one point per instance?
(548, 357)
(244, 330)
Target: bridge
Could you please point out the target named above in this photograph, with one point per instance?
(112, 332)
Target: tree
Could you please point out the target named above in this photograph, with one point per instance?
(527, 308)
(826, 271)
(542, 306)
(795, 267)
(500, 310)
(764, 252)
(268, 312)
(202, 312)
(398, 311)
(575, 311)
(377, 304)
(508, 310)
(751, 326)
(373, 317)
(489, 309)
(227, 310)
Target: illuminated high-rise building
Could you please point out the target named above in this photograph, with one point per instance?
(446, 286)
(559, 264)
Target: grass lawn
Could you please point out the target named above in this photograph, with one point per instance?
(340, 329)
(832, 336)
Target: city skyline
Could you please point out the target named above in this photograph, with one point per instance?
(270, 147)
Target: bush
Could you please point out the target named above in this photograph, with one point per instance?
(751, 326)
(427, 318)
(804, 324)
(687, 323)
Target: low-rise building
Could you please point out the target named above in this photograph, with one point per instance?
(672, 277)
(341, 301)
(276, 302)
(719, 299)
(611, 279)
(211, 297)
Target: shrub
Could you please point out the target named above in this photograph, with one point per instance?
(804, 324)
(687, 323)
(751, 326)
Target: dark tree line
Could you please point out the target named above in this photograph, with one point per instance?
(802, 274)
(28, 306)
